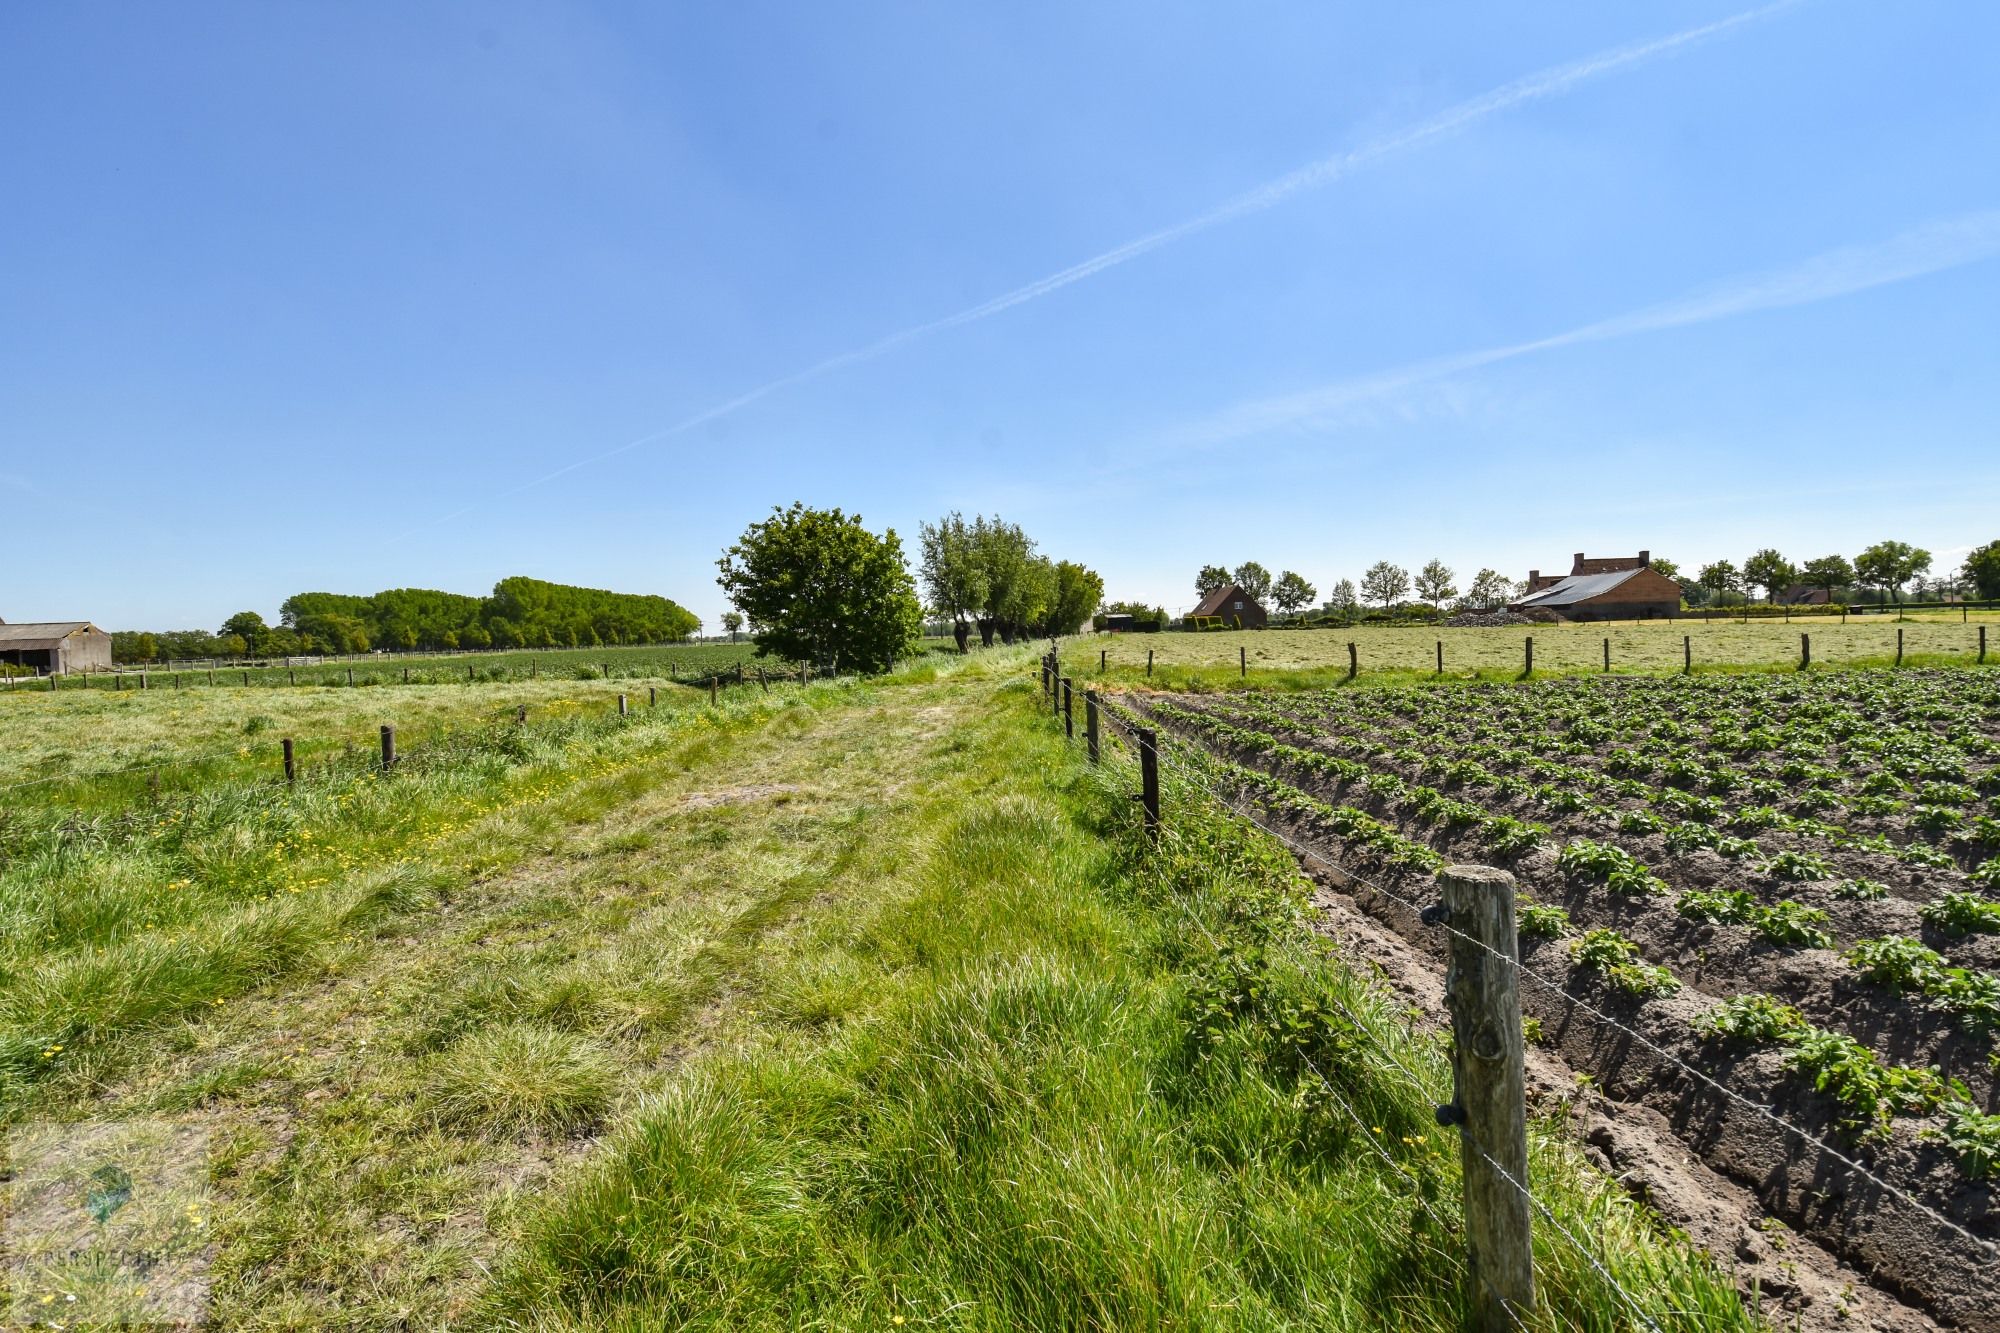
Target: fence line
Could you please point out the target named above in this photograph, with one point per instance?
(1381, 1046)
(1768, 1113)
(285, 743)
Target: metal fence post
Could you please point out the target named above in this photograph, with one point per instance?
(1149, 779)
(1482, 989)
(1090, 723)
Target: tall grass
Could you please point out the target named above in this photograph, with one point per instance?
(1069, 1082)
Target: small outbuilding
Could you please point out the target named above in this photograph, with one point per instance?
(56, 648)
(1234, 607)
(1801, 595)
(1604, 588)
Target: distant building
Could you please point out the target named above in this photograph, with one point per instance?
(1232, 606)
(1623, 587)
(56, 648)
(1800, 595)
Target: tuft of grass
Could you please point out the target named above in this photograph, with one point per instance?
(521, 1076)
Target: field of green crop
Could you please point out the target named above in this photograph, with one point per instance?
(1789, 882)
(843, 1005)
(1317, 656)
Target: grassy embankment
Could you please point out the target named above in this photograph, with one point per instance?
(1315, 658)
(841, 1007)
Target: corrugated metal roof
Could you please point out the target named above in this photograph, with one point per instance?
(48, 632)
(1577, 588)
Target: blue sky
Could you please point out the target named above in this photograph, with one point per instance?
(356, 296)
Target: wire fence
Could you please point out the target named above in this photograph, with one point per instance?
(1193, 777)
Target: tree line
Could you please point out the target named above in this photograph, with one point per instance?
(988, 575)
(1884, 569)
(520, 613)
(1384, 583)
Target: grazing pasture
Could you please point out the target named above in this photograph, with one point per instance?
(1319, 656)
(1787, 885)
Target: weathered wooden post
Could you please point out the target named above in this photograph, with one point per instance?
(1102, 655)
(1982, 643)
(144, 683)
(1528, 663)
(388, 747)
(1899, 645)
(246, 678)
(1045, 675)
(763, 680)
(1805, 651)
(1068, 710)
(1149, 664)
(291, 770)
(1055, 687)
(1353, 661)
(521, 715)
(117, 682)
(1440, 657)
(211, 675)
(652, 696)
(1607, 657)
(406, 675)
(712, 691)
(1090, 723)
(1483, 992)
(621, 705)
(468, 672)
(1242, 661)
(1687, 654)
(1149, 780)
(294, 675)
(350, 675)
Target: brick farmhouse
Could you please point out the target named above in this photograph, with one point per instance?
(1605, 588)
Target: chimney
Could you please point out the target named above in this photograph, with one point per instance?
(1534, 577)
(1577, 568)
(1645, 558)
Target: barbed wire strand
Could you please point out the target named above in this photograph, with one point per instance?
(1554, 987)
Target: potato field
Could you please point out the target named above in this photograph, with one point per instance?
(1760, 914)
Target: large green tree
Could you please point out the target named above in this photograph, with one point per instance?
(1490, 588)
(1889, 565)
(822, 588)
(1385, 583)
(1721, 577)
(1827, 572)
(1078, 592)
(955, 579)
(1770, 571)
(1435, 583)
(1253, 579)
(1982, 568)
(1211, 579)
(1292, 592)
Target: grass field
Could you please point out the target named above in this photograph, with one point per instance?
(850, 1005)
(1316, 657)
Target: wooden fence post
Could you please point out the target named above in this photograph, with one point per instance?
(712, 693)
(1353, 661)
(1899, 645)
(1149, 780)
(211, 674)
(388, 747)
(1607, 657)
(291, 771)
(246, 678)
(521, 715)
(1242, 661)
(652, 696)
(1528, 661)
(1068, 710)
(1090, 723)
(1483, 991)
(294, 675)
(144, 684)
(1687, 654)
(1982, 643)
(1149, 664)
(350, 675)
(763, 680)
(1055, 686)
(1440, 657)
(621, 705)
(1805, 651)
(1045, 675)
(1102, 654)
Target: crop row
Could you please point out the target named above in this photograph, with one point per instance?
(1971, 997)
(1871, 1092)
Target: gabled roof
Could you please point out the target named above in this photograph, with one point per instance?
(1577, 588)
(46, 632)
(1212, 604)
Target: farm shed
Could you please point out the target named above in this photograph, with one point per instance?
(1605, 588)
(1232, 605)
(56, 648)
(1800, 595)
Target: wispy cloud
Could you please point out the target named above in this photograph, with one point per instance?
(1931, 248)
(1315, 175)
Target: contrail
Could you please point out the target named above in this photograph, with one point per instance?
(1931, 248)
(1314, 175)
